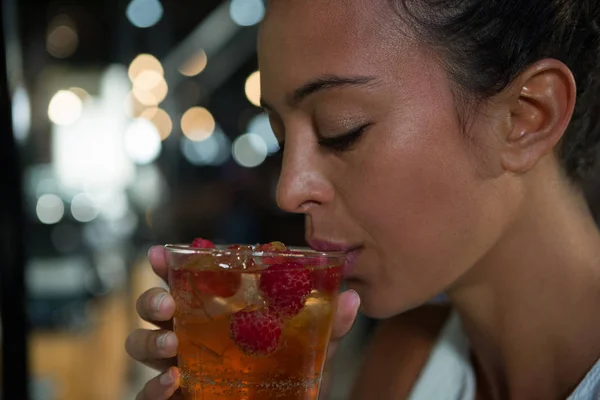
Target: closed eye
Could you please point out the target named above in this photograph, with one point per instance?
(345, 141)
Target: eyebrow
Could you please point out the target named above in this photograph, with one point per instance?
(326, 82)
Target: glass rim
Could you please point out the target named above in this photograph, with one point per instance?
(298, 251)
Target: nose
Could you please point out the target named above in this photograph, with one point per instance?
(303, 184)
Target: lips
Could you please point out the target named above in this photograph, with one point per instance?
(321, 245)
(352, 252)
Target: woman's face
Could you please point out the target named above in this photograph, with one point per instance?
(418, 200)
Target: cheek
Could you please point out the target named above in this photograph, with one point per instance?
(430, 214)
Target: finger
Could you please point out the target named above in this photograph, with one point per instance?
(162, 387)
(156, 349)
(331, 349)
(156, 306)
(158, 259)
(345, 315)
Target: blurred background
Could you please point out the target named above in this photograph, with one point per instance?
(134, 122)
(125, 123)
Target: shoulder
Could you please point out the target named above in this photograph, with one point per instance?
(398, 351)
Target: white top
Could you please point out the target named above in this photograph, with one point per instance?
(449, 375)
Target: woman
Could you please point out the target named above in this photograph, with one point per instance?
(442, 143)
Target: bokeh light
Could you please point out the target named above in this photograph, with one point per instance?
(262, 127)
(160, 119)
(142, 141)
(81, 93)
(144, 13)
(50, 209)
(113, 205)
(195, 64)
(152, 96)
(247, 12)
(83, 208)
(144, 62)
(213, 151)
(147, 79)
(249, 150)
(62, 39)
(146, 74)
(253, 88)
(65, 108)
(197, 124)
(21, 113)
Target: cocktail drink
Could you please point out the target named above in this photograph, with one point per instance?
(253, 322)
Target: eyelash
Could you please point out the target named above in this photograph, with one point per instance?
(345, 141)
(338, 143)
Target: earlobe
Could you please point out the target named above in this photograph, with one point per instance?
(541, 108)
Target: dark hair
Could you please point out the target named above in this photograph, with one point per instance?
(486, 44)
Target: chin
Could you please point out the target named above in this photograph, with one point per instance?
(377, 303)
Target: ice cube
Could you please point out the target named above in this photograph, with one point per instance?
(247, 295)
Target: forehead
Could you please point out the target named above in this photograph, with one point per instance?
(300, 39)
(348, 16)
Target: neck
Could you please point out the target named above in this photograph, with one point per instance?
(530, 307)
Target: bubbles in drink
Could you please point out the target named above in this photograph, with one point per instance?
(267, 339)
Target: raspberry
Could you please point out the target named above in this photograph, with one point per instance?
(200, 243)
(273, 247)
(204, 277)
(222, 283)
(285, 287)
(327, 280)
(255, 332)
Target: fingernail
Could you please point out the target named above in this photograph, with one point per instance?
(161, 342)
(167, 378)
(166, 340)
(355, 298)
(150, 250)
(158, 300)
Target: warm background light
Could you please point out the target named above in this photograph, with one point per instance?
(198, 124)
(195, 64)
(144, 62)
(65, 108)
(62, 39)
(81, 93)
(152, 97)
(160, 119)
(253, 88)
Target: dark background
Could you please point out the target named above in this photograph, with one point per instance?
(67, 286)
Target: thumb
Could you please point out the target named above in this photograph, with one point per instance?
(345, 315)
(158, 259)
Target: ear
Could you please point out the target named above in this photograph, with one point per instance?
(541, 103)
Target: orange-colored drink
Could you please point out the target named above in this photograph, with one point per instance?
(252, 324)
